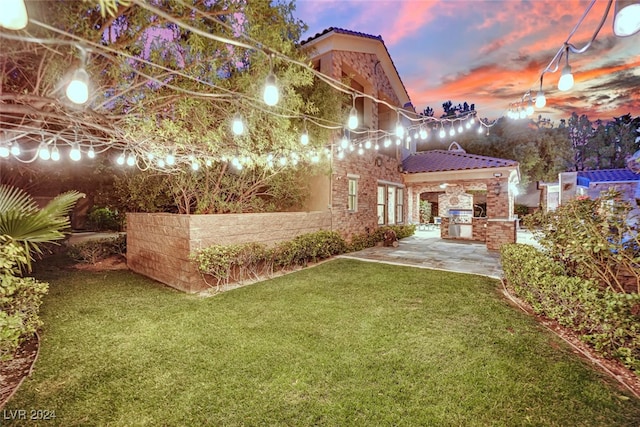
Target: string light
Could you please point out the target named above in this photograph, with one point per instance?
(353, 116)
(4, 151)
(43, 151)
(74, 153)
(171, 159)
(15, 149)
(566, 79)
(14, 15)
(271, 95)
(131, 159)
(91, 153)
(442, 133)
(237, 125)
(55, 153)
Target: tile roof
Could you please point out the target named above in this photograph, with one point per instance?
(363, 35)
(445, 160)
(606, 175)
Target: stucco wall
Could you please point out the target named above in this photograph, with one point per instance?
(159, 245)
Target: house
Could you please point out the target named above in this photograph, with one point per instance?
(365, 190)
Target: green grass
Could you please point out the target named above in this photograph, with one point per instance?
(344, 343)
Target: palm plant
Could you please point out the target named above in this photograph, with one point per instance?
(22, 221)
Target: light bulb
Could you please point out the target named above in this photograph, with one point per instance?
(376, 147)
(208, 163)
(283, 161)
(161, 163)
(43, 152)
(341, 155)
(423, 134)
(304, 138)
(121, 159)
(442, 133)
(353, 118)
(398, 141)
(55, 154)
(522, 114)
(626, 20)
(399, 130)
(471, 120)
(237, 126)
(4, 151)
(452, 131)
(74, 153)
(131, 159)
(15, 149)
(541, 100)
(344, 143)
(171, 159)
(271, 95)
(14, 15)
(78, 88)
(361, 151)
(91, 153)
(387, 142)
(195, 166)
(566, 80)
(480, 129)
(315, 158)
(367, 144)
(529, 109)
(468, 125)
(460, 129)
(351, 147)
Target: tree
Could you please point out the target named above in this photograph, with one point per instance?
(580, 132)
(161, 86)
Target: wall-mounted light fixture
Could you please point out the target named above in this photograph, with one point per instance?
(497, 188)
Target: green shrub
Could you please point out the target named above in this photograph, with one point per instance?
(608, 320)
(20, 299)
(104, 219)
(92, 251)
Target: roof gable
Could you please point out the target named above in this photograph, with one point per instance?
(451, 160)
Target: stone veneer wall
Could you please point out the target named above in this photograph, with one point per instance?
(159, 245)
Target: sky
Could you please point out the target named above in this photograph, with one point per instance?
(491, 53)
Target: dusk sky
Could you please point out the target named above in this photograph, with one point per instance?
(491, 52)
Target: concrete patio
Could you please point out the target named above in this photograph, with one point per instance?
(426, 249)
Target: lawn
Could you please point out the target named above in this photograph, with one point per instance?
(342, 343)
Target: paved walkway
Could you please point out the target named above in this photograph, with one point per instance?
(425, 249)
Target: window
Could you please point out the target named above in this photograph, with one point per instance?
(352, 198)
(390, 203)
(400, 205)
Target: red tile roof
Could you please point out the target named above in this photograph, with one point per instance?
(444, 160)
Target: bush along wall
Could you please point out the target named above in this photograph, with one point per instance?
(224, 264)
(92, 251)
(607, 320)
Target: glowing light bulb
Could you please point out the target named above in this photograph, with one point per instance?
(353, 118)
(541, 100)
(442, 133)
(367, 144)
(195, 166)
(161, 163)
(237, 125)
(480, 129)
(283, 161)
(55, 154)
(471, 120)
(460, 129)
(78, 88)
(452, 131)
(315, 158)
(75, 154)
(131, 159)
(304, 138)
(271, 95)
(15, 149)
(566, 79)
(43, 152)
(344, 143)
(626, 21)
(387, 142)
(171, 159)
(522, 114)
(361, 151)
(14, 15)
(341, 155)
(351, 147)
(398, 141)
(399, 130)
(121, 159)
(529, 109)
(376, 147)
(4, 151)
(91, 153)
(208, 163)
(423, 134)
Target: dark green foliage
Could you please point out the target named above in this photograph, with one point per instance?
(593, 239)
(20, 299)
(92, 251)
(608, 320)
(104, 219)
(234, 263)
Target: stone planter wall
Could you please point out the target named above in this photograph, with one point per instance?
(159, 245)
